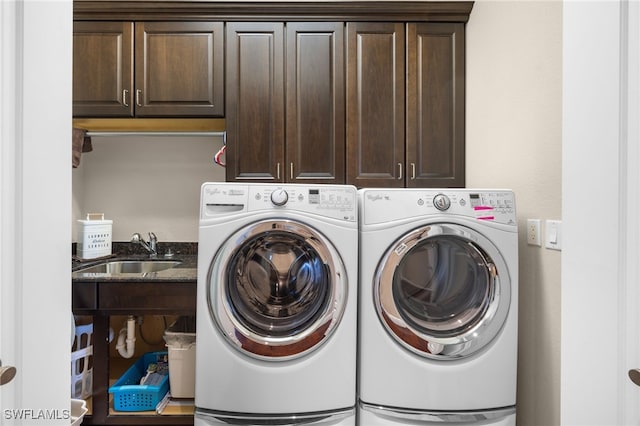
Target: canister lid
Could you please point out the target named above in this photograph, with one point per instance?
(94, 219)
(95, 216)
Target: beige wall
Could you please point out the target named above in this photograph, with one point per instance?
(514, 104)
(514, 136)
(146, 184)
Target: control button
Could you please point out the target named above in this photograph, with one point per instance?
(441, 202)
(279, 197)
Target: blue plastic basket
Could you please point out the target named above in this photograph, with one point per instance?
(129, 395)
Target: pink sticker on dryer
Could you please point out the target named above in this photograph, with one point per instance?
(484, 212)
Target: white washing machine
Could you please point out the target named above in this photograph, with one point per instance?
(438, 310)
(277, 305)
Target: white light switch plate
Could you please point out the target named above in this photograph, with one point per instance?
(553, 234)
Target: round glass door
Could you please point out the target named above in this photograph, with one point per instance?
(277, 289)
(442, 291)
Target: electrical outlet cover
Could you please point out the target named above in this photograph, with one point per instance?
(533, 232)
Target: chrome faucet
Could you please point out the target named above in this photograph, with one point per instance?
(151, 246)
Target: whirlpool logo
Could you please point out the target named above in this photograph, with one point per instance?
(377, 197)
(232, 192)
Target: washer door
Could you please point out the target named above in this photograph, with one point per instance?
(442, 291)
(277, 289)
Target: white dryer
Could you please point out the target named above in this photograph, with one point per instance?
(438, 310)
(277, 305)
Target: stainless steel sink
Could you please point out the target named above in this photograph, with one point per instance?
(129, 267)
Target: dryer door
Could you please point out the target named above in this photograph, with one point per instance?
(442, 291)
(277, 289)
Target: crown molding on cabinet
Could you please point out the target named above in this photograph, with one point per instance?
(415, 11)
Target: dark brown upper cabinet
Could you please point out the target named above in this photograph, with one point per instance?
(148, 69)
(102, 69)
(435, 130)
(369, 93)
(255, 101)
(375, 104)
(293, 70)
(405, 131)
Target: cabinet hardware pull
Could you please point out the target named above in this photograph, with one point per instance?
(291, 170)
(399, 171)
(138, 94)
(125, 93)
(278, 171)
(413, 171)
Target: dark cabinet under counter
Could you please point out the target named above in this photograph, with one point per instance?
(133, 298)
(84, 297)
(148, 298)
(171, 293)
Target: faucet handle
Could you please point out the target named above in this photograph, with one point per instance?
(153, 244)
(150, 247)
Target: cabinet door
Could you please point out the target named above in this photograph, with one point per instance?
(315, 140)
(255, 101)
(179, 69)
(435, 105)
(375, 104)
(102, 69)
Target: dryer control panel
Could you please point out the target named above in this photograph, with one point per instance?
(384, 205)
(335, 201)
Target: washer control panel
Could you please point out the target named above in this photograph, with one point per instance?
(384, 205)
(335, 201)
(226, 198)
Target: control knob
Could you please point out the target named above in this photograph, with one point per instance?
(441, 202)
(279, 197)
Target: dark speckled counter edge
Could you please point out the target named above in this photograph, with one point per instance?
(186, 271)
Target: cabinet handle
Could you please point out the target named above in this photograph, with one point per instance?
(413, 171)
(399, 171)
(125, 93)
(138, 94)
(278, 171)
(291, 171)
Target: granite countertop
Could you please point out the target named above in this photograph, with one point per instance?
(185, 271)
